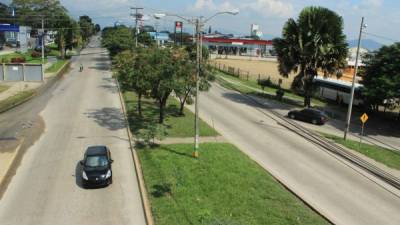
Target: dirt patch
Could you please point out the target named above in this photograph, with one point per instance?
(255, 69)
(28, 136)
(8, 144)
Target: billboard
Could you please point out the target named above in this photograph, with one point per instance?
(178, 26)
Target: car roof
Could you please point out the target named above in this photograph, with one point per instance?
(96, 150)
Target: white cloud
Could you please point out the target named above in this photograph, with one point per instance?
(368, 4)
(204, 4)
(272, 7)
(264, 7)
(210, 5)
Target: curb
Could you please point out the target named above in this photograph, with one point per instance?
(40, 89)
(138, 167)
(6, 175)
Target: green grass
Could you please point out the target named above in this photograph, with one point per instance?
(15, 99)
(380, 154)
(223, 186)
(269, 92)
(177, 125)
(28, 57)
(56, 66)
(4, 88)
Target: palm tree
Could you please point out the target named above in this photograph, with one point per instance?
(315, 42)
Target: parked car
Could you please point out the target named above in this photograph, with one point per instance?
(313, 116)
(96, 167)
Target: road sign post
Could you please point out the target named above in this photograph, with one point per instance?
(363, 119)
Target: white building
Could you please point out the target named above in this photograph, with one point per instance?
(255, 30)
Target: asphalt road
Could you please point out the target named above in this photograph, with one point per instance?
(339, 191)
(81, 110)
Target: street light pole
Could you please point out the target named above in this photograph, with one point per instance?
(198, 56)
(43, 38)
(348, 120)
(198, 24)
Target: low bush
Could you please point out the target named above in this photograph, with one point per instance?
(19, 59)
(36, 54)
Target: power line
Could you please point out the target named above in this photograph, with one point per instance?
(381, 37)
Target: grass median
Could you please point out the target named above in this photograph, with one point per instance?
(383, 155)
(56, 66)
(176, 125)
(223, 186)
(4, 88)
(15, 99)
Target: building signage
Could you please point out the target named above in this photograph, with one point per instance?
(237, 43)
(9, 27)
(178, 25)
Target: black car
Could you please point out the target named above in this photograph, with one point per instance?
(313, 116)
(96, 165)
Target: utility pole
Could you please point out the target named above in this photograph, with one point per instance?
(43, 38)
(137, 16)
(198, 56)
(353, 82)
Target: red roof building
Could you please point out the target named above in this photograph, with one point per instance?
(238, 46)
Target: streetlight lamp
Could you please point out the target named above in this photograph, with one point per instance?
(346, 130)
(199, 23)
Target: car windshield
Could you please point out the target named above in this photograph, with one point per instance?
(96, 161)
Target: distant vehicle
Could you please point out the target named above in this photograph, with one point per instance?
(313, 116)
(96, 165)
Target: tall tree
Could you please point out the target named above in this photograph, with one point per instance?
(30, 12)
(117, 39)
(163, 75)
(97, 28)
(315, 42)
(185, 82)
(134, 73)
(87, 27)
(381, 76)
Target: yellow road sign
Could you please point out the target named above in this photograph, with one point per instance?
(364, 118)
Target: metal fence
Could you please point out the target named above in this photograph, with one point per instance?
(21, 72)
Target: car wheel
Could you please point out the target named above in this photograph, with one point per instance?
(291, 116)
(314, 121)
(111, 181)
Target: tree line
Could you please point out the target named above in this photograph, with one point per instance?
(155, 72)
(69, 32)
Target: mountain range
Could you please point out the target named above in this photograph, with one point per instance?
(369, 44)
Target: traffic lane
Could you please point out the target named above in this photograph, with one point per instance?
(83, 112)
(336, 190)
(374, 136)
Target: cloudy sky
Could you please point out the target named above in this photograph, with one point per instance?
(382, 16)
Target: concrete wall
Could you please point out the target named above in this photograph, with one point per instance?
(21, 72)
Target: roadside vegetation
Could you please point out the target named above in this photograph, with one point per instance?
(264, 89)
(312, 43)
(15, 99)
(223, 187)
(55, 67)
(175, 124)
(4, 88)
(385, 156)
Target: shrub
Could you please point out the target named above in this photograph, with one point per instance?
(19, 59)
(265, 83)
(36, 54)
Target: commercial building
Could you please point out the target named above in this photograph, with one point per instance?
(238, 46)
(160, 37)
